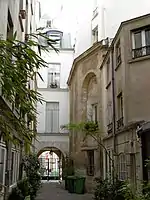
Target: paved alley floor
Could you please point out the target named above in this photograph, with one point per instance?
(54, 191)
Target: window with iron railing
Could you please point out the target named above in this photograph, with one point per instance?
(122, 167)
(141, 43)
(118, 53)
(90, 162)
(120, 110)
(54, 75)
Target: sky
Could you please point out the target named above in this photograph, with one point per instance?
(63, 13)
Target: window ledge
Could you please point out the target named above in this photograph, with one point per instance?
(139, 59)
(108, 84)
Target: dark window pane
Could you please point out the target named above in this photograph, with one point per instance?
(138, 40)
(147, 37)
(2, 153)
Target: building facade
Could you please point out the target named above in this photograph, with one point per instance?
(84, 86)
(124, 81)
(119, 91)
(54, 111)
(15, 16)
(102, 19)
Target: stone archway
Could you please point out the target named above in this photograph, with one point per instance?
(60, 142)
(52, 163)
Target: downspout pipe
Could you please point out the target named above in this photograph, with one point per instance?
(113, 100)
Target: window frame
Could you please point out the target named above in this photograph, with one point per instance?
(4, 166)
(52, 70)
(95, 35)
(95, 112)
(144, 50)
(90, 165)
(118, 53)
(52, 128)
(122, 167)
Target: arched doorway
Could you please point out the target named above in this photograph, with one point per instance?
(51, 162)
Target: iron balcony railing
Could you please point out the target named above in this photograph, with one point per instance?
(142, 51)
(120, 123)
(110, 128)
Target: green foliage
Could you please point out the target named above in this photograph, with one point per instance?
(32, 166)
(108, 189)
(89, 127)
(68, 168)
(115, 189)
(21, 191)
(19, 64)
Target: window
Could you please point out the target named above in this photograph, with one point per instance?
(54, 75)
(108, 162)
(120, 105)
(95, 35)
(133, 168)
(2, 166)
(9, 26)
(122, 167)
(56, 37)
(120, 110)
(95, 10)
(108, 71)
(52, 117)
(118, 53)
(12, 167)
(90, 163)
(141, 43)
(109, 117)
(94, 113)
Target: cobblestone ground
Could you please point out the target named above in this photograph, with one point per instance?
(55, 191)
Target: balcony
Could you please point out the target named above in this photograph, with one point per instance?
(120, 123)
(140, 52)
(109, 128)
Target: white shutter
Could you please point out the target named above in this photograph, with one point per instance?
(52, 117)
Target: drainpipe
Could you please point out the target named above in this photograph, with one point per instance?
(113, 98)
(114, 111)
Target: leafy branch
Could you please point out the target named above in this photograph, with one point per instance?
(19, 65)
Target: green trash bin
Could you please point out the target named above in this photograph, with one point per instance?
(79, 185)
(71, 184)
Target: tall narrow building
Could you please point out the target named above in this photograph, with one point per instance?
(54, 111)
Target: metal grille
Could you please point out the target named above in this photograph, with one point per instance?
(50, 168)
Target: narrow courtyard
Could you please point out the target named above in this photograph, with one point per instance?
(56, 191)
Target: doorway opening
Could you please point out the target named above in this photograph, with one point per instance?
(51, 162)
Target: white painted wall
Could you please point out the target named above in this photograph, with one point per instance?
(53, 96)
(65, 58)
(111, 14)
(61, 95)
